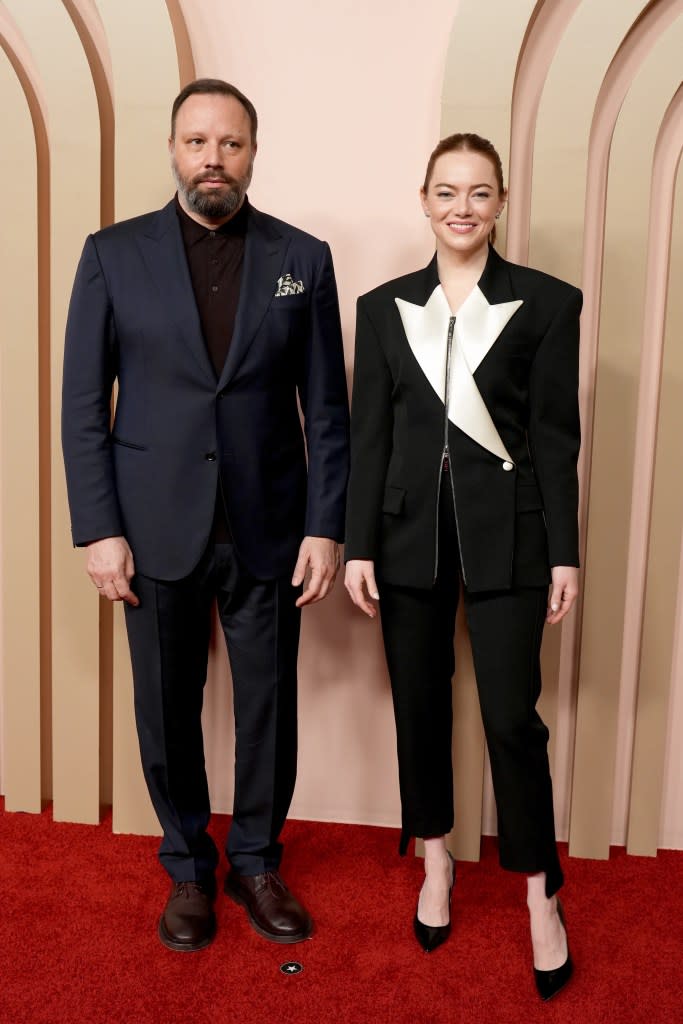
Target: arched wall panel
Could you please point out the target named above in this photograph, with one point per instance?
(74, 207)
(612, 611)
(671, 826)
(631, 683)
(657, 506)
(552, 176)
(22, 120)
(655, 19)
(88, 24)
(546, 31)
(183, 43)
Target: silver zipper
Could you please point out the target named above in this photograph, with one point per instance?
(438, 495)
(457, 526)
(445, 454)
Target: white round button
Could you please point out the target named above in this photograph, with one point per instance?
(507, 466)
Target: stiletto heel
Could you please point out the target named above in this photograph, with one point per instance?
(549, 983)
(431, 936)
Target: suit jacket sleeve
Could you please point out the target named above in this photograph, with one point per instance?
(325, 405)
(554, 429)
(89, 372)
(371, 440)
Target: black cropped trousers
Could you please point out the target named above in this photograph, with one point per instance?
(505, 628)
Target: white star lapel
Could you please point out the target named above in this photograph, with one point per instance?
(477, 326)
(426, 329)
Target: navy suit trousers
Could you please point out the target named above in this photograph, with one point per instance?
(169, 640)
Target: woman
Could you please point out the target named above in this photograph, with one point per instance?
(465, 436)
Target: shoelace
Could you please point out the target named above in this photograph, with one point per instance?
(272, 881)
(187, 889)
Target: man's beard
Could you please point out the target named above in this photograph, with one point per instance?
(209, 204)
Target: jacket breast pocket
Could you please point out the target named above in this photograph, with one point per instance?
(394, 501)
(289, 304)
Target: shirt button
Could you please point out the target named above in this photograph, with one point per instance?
(210, 456)
(507, 466)
(212, 234)
(214, 287)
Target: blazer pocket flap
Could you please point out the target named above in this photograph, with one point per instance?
(128, 444)
(529, 498)
(394, 500)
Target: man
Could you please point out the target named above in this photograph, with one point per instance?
(212, 317)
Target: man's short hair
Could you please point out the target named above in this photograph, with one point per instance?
(214, 87)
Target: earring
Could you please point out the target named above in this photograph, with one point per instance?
(426, 213)
(498, 215)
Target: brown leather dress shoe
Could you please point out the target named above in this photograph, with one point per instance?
(272, 910)
(188, 922)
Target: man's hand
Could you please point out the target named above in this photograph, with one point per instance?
(321, 556)
(565, 587)
(111, 568)
(361, 574)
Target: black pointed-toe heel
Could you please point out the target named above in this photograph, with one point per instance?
(549, 983)
(431, 936)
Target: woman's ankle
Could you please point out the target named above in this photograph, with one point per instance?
(436, 855)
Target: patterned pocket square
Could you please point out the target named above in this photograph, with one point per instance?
(287, 286)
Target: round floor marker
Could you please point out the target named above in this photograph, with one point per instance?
(291, 967)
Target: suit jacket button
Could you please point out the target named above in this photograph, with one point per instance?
(507, 466)
(210, 456)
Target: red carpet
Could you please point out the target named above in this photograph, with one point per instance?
(78, 938)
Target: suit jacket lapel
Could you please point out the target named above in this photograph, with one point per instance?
(486, 311)
(164, 256)
(264, 253)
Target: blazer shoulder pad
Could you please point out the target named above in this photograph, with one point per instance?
(280, 227)
(530, 280)
(399, 287)
(124, 229)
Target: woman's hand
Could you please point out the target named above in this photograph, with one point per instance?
(565, 587)
(360, 577)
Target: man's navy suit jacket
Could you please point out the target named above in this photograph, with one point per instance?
(152, 476)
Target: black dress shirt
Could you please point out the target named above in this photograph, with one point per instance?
(214, 259)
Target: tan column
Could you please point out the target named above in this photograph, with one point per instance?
(74, 212)
(19, 422)
(660, 489)
(556, 191)
(612, 611)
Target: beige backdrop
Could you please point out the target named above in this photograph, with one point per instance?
(583, 99)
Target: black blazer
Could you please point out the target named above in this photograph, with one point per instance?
(512, 430)
(153, 476)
